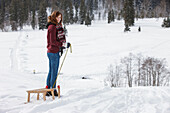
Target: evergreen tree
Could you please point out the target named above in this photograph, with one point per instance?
(88, 20)
(129, 13)
(96, 5)
(166, 22)
(126, 10)
(65, 30)
(2, 14)
(21, 14)
(91, 8)
(82, 12)
(65, 6)
(112, 16)
(109, 16)
(14, 14)
(99, 16)
(132, 12)
(66, 13)
(76, 4)
(71, 14)
(61, 4)
(168, 7)
(42, 16)
(119, 16)
(126, 28)
(33, 16)
(26, 10)
(54, 4)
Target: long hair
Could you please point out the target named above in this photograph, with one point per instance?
(57, 14)
(52, 17)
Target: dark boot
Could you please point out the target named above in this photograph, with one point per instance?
(55, 93)
(48, 93)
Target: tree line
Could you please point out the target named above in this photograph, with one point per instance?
(17, 13)
(137, 70)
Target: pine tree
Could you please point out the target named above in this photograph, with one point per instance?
(71, 14)
(91, 8)
(2, 14)
(166, 22)
(132, 12)
(129, 13)
(126, 12)
(88, 20)
(119, 16)
(14, 14)
(168, 7)
(112, 16)
(26, 10)
(54, 4)
(42, 16)
(99, 17)
(96, 5)
(21, 14)
(126, 28)
(33, 16)
(76, 4)
(109, 16)
(65, 30)
(82, 12)
(65, 7)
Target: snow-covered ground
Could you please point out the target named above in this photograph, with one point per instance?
(94, 49)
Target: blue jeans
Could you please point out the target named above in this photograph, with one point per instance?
(54, 59)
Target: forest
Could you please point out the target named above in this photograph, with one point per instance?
(14, 14)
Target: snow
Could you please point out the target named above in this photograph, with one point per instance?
(94, 49)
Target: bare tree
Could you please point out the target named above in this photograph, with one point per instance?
(128, 64)
(154, 71)
(114, 76)
(139, 70)
(139, 59)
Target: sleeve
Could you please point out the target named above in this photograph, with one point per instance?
(63, 39)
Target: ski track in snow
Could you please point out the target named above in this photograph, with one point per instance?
(13, 54)
(28, 52)
(104, 100)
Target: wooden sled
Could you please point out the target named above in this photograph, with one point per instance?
(43, 91)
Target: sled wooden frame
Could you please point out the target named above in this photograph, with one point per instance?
(43, 91)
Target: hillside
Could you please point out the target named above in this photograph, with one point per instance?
(94, 49)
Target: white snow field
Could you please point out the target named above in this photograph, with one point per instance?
(94, 49)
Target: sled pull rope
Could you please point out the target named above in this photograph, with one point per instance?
(63, 63)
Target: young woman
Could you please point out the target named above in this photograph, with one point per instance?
(55, 44)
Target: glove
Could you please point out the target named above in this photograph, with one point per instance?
(68, 45)
(61, 50)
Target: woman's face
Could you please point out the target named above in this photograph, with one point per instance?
(58, 18)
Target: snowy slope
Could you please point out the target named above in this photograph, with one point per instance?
(94, 49)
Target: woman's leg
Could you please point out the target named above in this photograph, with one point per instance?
(54, 72)
(49, 73)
